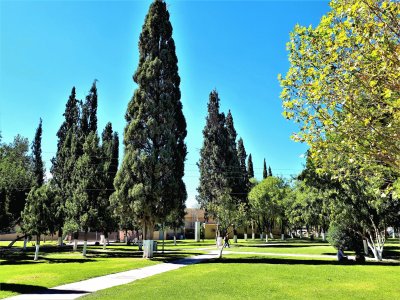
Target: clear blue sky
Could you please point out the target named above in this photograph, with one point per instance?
(237, 47)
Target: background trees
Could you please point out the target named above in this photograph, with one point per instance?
(266, 201)
(16, 173)
(223, 175)
(150, 179)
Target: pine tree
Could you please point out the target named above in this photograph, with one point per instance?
(38, 167)
(265, 171)
(64, 161)
(250, 169)
(269, 171)
(150, 179)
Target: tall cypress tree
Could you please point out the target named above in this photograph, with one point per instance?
(150, 179)
(269, 171)
(212, 163)
(250, 168)
(233, 167)
(38, 167)
(37, 216)
(265, 171)
(89, 111)
(109, 158)
(64, 161)
(243, 175)
(88, 182)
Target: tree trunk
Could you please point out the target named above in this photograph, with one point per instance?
(163, 235)
(60, 239)
(253, 235)
(84, 243)
(365, 244)
(25, 242)
(104, 240)
(37, 247)
(174, 236)
(148, 228)
(76, 236)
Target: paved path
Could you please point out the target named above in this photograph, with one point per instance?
(78, 289)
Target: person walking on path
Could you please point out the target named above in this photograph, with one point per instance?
(226, 240)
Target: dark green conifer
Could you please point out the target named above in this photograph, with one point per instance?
(250, 169)
(38, 167)
(109, 153)
(66, 156)
(265, 171)
(212, 163)
(269, 171)
(243, 175)
(149, 182)
(233, 170)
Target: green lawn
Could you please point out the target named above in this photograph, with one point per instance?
(235, 276)
(252, 277)
(20, 274)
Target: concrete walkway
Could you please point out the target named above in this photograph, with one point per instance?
(81, 288)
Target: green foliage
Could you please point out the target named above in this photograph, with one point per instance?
(87, 180)
(266, 201)
(38, 216)
(66, 156)
(38, 167)
(250, 168)
(149, 183)
(109, 160)
(340, 235)
(243, 175)
(16, 173)
(265, 171)
(212, 163)
(342, 86)
(269, 171)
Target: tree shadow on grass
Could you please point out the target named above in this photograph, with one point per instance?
(278, 246)
(27, 288)
(283, 261)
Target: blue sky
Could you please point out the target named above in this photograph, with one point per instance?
(237, 47)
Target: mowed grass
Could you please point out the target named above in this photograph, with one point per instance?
(256, 277)
(245, 276)
(20, 274)
(288, 247)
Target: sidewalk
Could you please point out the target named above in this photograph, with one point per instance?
(81, 288)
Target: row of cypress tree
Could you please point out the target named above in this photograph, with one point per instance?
(77, 196)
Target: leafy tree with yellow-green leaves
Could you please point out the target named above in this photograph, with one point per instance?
(343, 89)
(343, 85)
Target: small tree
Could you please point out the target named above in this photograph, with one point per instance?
(37, 216)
